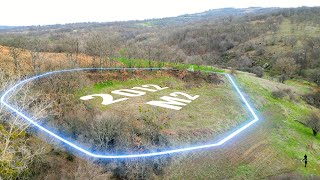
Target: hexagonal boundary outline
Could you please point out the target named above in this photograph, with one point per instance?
(106, 156)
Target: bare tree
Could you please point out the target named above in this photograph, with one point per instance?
(315, 76)
(258, 71)
(244, 62)
(301, 59)
(15, 51)
(286, 68)
(71, 46)
(96, 45)
(105, 132)
(35, 48)
(16, 155)
(314, 123)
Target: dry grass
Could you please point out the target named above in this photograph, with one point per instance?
(272, 148)
(48, 61)
(216, 110)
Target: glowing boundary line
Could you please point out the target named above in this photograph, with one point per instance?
(230, 136)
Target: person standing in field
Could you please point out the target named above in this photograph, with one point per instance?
(305, 159)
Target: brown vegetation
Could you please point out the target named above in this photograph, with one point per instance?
(254, 43)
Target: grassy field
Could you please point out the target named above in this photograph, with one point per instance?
(274, 147)
(203, 119)
(141, 63)
(288, 28)
(289, 137)
(271, 148)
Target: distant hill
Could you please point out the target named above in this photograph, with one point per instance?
(212, 14)
(227, 12)
(7, 27)
(249, 39)
(168, 21)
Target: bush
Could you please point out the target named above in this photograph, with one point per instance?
(106, 133)
(213, 78)
(313, 99)
(142, 168)
(258, 71)
(260, 50)
(133, 169)
(285, 67)
(115, 134)
(290, 94)
(281, 93)
(278, 94)
(233, 71)
(248, 47)
(314, 123)
(314, 76)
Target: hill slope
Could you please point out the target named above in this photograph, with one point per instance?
(274, 147)
(245, 39)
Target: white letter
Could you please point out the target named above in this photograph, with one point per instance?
(169, 102)
(106, 98)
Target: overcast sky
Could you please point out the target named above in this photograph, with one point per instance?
(43, 12)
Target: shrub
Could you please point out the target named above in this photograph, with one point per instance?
(258, 71)
(214, 78)
(290, 94)
(278, 94)
(314, 76)
(248, 47)
(260, 50)
(233, 71)
(285, 67)
(281, 93)
(314, 123)
(142, 168)
(313, 99)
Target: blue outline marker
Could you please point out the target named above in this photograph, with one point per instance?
(105, 156)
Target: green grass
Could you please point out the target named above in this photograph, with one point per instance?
(141, 63)
(244, 171)
(109, 85)
(302, 85)
(147, 24)
(103, 85)
(204, 116)
(207, 68)
(287, 28)
(276, 145)
(289, 137)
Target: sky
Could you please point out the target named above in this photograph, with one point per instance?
(44, 12)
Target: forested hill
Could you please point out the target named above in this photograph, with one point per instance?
(169, 21)
(275, 44)
(282, 42)
(210, 15)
